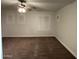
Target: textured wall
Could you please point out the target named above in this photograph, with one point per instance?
(67, 27)
(33, 23)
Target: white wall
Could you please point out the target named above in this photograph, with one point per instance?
(33, 23)
(67, 27)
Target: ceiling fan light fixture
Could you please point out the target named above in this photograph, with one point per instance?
(21, 10)
(21, 7)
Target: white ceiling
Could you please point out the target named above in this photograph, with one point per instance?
(49, 5)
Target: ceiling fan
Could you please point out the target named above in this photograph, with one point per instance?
(23, 6)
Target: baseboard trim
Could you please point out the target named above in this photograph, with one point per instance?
(67, 48)
(29, 36)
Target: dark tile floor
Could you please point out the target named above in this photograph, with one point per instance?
(34, 48)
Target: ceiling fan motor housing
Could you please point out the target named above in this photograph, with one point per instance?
(22, 1)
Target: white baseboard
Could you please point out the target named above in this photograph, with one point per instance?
(28, 36)
(67, 47)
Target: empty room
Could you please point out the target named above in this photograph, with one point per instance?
(39, 29)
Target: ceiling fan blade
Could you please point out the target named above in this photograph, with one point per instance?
(34, 7)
